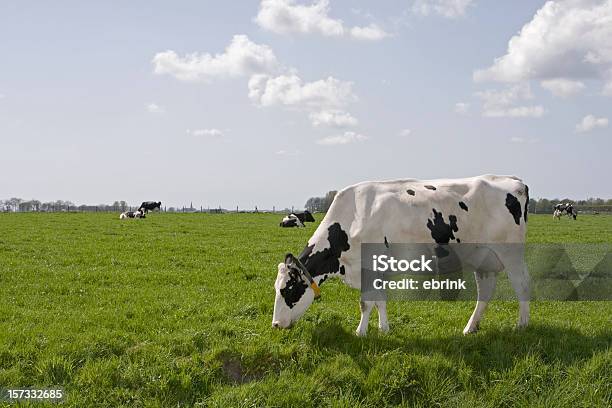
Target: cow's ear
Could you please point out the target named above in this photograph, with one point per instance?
(289, 259)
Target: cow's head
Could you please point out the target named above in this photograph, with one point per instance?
(308, 216)
(295, 291)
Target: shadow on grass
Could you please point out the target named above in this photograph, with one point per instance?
(486, 351)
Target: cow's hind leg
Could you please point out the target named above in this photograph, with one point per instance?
(485, 286)
(513, 258)
(383, 321)
(366, 309)
(519, 277)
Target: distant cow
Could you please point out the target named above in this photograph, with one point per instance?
(147, 206)
(297, 219)
(566, 208)
(290, 221)
(132, 214)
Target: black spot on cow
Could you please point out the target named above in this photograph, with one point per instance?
(513, 205)
(526, 202)
(458, 241)
(442, 232)
(294, 289)
(410, 191)
(386, 243)
(327, 261)
(463, 206)
(430, 187)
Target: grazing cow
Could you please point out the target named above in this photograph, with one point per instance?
(483, 209)
(566, 208)
(132, 214)
(297, 219)
(147, 206)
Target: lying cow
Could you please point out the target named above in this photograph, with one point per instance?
(291, 221)
(297, 219)
(147, 206)
(132, 214)
(483, 209)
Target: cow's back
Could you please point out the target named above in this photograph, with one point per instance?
(483, 209)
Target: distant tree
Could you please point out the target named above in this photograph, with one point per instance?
(329, 198)
(320, 204)
(14, 203)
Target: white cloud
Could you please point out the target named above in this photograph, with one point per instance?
(405, 132)
(462, 107)
(445, 8)
(241, 57)
(332, 117)
(270, 83)
(562, 87)
(590, 122)
(289, 90)
(607, 90)
(286, 16)
(497, 104)
(155, 108)
(205, 132)
(566, 40)
(371, 32)
(345, 138)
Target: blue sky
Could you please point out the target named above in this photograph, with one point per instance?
(269, 103)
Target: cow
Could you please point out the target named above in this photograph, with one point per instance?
(132, 214)
(147, 206)
(483, 209)
(291, 221)
(297, 219)
(566, 208)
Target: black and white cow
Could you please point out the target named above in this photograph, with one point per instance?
(566, 208)
(483, 209)
(147, 206)
(297, 219)
(131, 214)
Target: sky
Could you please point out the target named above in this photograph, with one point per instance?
(267, 103)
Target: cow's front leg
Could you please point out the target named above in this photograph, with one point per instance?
(366, 309)
(383, 322)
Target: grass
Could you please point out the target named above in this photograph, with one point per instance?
(175, 310)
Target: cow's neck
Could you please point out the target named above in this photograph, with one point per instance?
(322, 255)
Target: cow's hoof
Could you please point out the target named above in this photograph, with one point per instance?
(360, 333)
(471, 330)
(384, 329)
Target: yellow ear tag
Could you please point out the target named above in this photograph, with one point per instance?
(315, 289)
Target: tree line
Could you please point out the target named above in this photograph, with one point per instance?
(16, 204)
(313, 204)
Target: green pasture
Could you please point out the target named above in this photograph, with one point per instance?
(175, 310)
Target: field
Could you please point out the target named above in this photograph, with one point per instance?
(175, 310)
